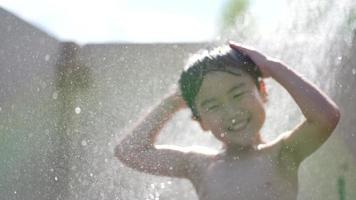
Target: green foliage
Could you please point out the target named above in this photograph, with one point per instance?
(232, 10)
(351, 21)
(341, 187)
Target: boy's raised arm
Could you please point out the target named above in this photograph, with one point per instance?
(137, 150)
(321, 113)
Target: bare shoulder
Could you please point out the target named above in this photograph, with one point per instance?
(197, 150)
(197, 158)
(281, 153)
(286, 155)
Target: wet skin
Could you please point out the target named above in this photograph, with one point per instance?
(231, 107)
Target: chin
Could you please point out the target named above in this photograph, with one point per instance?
(241, 141)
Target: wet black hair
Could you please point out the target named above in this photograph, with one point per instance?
(219, 59)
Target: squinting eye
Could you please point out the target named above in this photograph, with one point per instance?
(238, 96)
(212, 108)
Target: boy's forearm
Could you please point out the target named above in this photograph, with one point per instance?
(145, 132)
(316, 106)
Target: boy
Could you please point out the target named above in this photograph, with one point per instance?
(226, 96)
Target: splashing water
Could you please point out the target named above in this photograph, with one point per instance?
(314, 38)
(308, 35)
(114, 85)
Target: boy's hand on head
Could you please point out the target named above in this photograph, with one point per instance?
(262, 61)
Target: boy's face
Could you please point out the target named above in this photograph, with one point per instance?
(231, 107)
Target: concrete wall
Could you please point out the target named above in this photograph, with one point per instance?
(28, 109)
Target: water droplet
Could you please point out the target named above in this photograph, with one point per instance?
(47, 57)
(91, 174)
(43, 84)
(153, 186)
(339, 57)
(56, 178)
(222, 135)
(77, 110)
(162, 185)
(353, 71)
(15, 192)
(51, 170)
(233, 121)
(55, 95)
(84, 143)
(0, 109)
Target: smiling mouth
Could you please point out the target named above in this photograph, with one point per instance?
(239, 126)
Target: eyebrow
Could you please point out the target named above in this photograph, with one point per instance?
(236, 87)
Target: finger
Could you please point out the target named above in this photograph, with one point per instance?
(240, 47)
(237, 46)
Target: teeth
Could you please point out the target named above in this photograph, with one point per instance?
(236, 126)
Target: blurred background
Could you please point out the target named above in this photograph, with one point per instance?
(75, 76)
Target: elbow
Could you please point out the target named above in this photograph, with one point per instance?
(335, 116)
(328, 120)
(119, 152)
(333, 119)
(123, 154)
(128, 154)
(123, 150)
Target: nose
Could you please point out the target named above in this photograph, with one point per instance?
(233, 114)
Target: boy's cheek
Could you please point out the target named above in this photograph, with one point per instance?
(213, 124)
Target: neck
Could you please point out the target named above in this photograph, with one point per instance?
(234, 149)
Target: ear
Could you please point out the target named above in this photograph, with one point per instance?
(200, 123)
(263, 91)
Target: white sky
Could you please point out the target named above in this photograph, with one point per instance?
(89, 21)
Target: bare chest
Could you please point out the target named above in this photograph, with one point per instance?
(257, 178)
